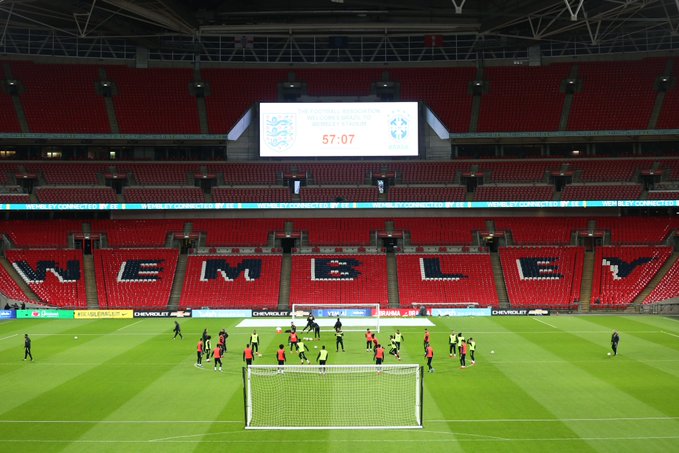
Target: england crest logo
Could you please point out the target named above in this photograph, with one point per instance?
(279, 131)
(399, 122)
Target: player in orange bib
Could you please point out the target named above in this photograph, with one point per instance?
(280, 356)
(217, 354)
(248, 355)
(429, 355)
(368, 340)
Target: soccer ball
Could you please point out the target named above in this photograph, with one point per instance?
(492, 352)
(316, 347)
(75, 338)
(609, 353)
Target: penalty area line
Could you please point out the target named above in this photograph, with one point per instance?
(129, 325)
(543, 322)
(125, 422)
(556, 420)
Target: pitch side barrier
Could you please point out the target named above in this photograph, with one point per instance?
(343, 205)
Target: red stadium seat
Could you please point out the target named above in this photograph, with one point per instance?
(454, 278)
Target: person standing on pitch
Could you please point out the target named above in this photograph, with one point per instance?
(368, 340)
(280, 357)
(472, 347)
(27, 347)
(207, 347)
(426, 338)
(217, 354)
(177, 330)
(254, 341)
(378, 356)
(429, 355)
(398, 338)
(293, 339)
(322, 358)
(248, 355)
(452, 344)
(338, 324)
(460, 340)
(615, 339)
(462, 349)
(223, 335)
(199, 353)
(339, 340)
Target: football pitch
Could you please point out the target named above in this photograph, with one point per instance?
(125, 385)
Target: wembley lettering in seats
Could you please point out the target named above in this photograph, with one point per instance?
(215, 268)
(334, 268)
(37, 274)
(140, 270)
(538, 268)
(620, 268)
(431, 270)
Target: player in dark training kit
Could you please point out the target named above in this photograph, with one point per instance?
(27, 347)
(177, 331)
(339, 339)
(615, 339)
(309, 323)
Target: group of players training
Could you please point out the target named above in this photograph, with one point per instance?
(458, 346)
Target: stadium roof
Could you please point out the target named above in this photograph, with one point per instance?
(491, 23)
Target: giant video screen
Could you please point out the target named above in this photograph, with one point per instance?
(338, 129)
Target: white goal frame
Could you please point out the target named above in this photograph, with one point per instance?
(412, 420)
(346, 326)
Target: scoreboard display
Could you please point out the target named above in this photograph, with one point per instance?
(339, 129)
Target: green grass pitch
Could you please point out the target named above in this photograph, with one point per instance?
(125, 385)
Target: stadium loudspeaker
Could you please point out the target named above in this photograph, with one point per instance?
(534, 56)
(142, 58)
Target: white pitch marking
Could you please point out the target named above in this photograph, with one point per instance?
(11, 336)
(124, 422)
(668, 333)
(129, 325)
(557, 420)
(165, 439)
(543, 322)
(489, 420)
(362, 441)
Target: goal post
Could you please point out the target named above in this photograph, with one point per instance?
(354, 317)
(333, 396)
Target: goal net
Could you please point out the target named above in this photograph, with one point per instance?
(354, 317)
(333, 396)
